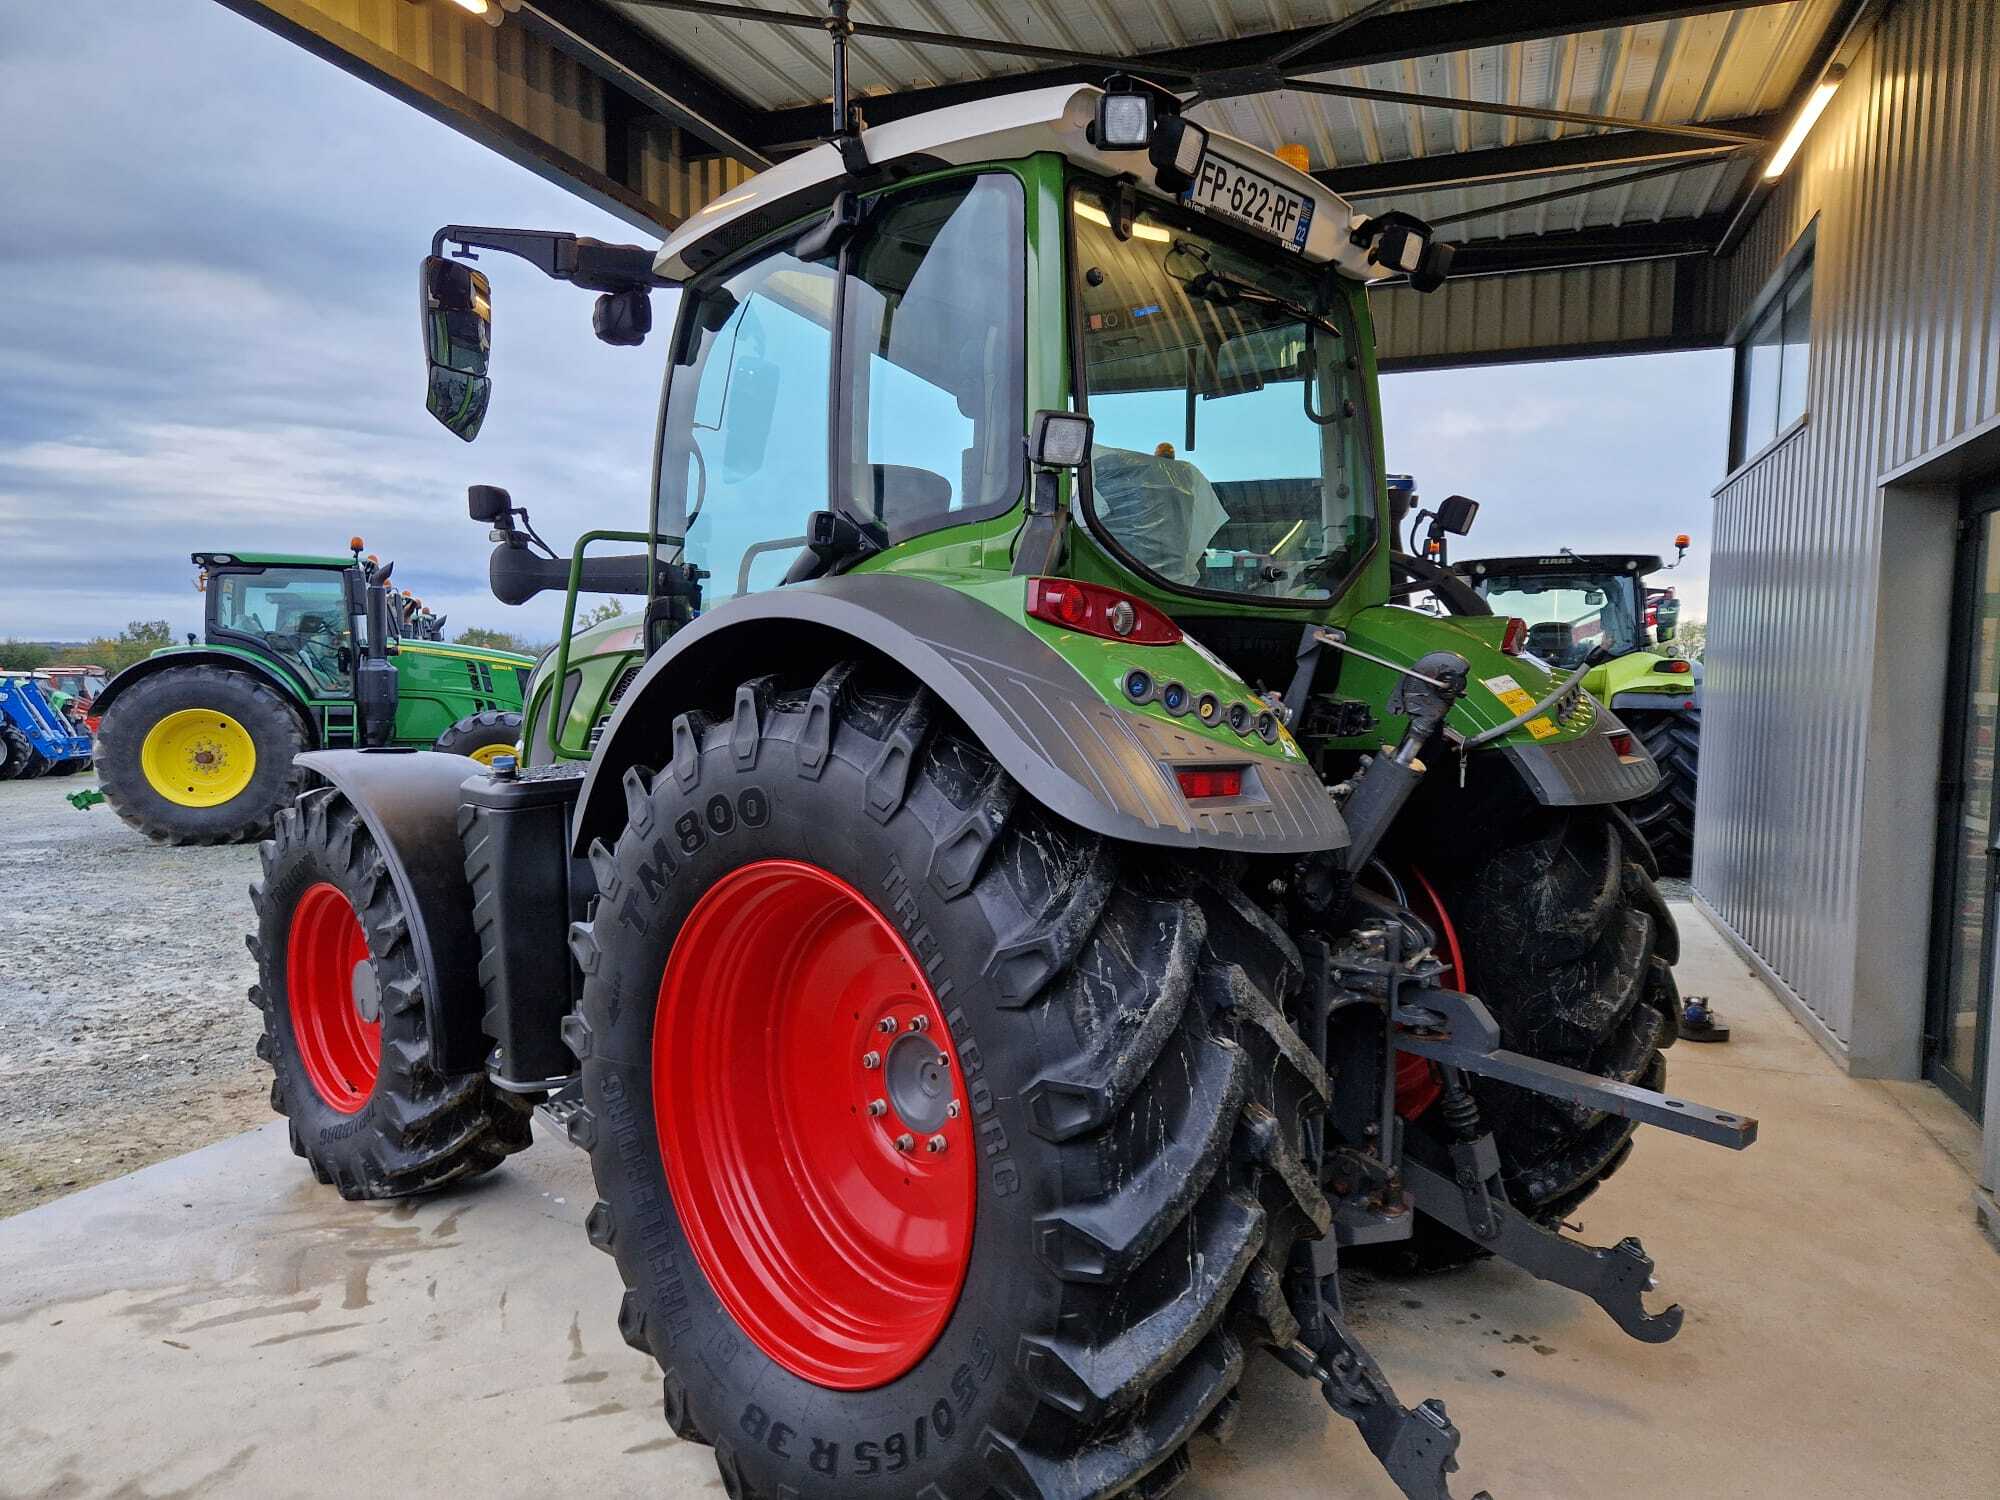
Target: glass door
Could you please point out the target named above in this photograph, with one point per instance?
(1962, 967)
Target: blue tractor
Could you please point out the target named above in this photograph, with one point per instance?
(35, 737)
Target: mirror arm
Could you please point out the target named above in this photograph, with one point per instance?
(590, 264)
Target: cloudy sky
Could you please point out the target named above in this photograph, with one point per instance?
(208, 261)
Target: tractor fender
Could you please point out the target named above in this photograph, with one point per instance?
(1089, 761)
(408, 799)
(197, 656)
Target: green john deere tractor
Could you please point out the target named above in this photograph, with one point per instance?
(1023, 903)
(197, 744)
(1596, 610)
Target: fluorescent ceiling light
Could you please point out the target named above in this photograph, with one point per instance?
(1802, 126)
(477, 7)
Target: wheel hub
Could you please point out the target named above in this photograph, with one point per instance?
(810, 1118)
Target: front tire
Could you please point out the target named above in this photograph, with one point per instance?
(485, 736)
(14, 752)
(1572, 948)
(345, 1031)
(200, 755)
(1129, 1142)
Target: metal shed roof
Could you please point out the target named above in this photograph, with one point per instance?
(1663, 109)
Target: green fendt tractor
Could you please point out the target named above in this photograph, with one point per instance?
(197, 744)
(1020, 922)
(1595, 610)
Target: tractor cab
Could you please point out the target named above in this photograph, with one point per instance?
(1578, 609)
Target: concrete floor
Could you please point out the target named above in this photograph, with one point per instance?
(219, 1325)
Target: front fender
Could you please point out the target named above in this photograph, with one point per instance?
(1085, 759)
(408, 799)
(196, 656)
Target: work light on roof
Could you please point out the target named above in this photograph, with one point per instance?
(1124, 121)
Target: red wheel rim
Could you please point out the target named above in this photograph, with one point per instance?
(341, 1052)
(1418, 1083)
(813, 1123)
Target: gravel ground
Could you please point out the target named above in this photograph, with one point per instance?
(125, 1036)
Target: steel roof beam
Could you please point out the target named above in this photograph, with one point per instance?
(1391, 37)
(1670, 240)
(659, 78)
(1575, 153)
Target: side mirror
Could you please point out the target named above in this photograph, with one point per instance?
(455, 309)
(1457, 514)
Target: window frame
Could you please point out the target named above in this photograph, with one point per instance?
(842, 438)
(1768, 311)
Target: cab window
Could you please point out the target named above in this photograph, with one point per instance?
(930, 298)
(298, 614)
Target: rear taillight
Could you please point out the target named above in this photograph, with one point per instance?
(1096, 610)
(1622, 744)
(1676, 666)
(1198, 786)
(1515, 636)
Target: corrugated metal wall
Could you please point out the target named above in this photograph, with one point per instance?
(1905, 356)
(510, 89)
(1548, 313)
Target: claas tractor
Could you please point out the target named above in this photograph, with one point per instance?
(78, 687)
(1596, 611)
(199, 744)
(1020, 905)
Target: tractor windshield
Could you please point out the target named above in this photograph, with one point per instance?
(1572, 617)
(1232, 451)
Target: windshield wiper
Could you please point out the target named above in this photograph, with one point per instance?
(1227, 291)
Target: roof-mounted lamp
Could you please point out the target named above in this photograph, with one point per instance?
(1809, 113)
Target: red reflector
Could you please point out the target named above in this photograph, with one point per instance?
(1196, 785)
(1515, 636)
(1096, 610)
(1676, 666)
(1622, 743)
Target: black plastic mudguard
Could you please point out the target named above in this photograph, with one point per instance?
(408, 799)
(1091, 762)
(1584, 772)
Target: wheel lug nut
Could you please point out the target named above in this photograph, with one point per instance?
(871, 1059)
(878, 1108)
(936, 1144)
(905, 1142)
(953, 1109)
(887, 1023)
(920, 1023)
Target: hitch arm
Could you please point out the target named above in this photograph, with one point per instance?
(1460, 1032)
(1616, 1278)
(1418, 1447)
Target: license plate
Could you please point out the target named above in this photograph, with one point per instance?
(1250, 198)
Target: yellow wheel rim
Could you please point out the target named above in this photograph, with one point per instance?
(198, 757)
(487, 754)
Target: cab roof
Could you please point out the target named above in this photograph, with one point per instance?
(999, 129)
(268, 560)
(1640, 563)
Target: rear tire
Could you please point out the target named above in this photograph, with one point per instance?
(370, 1111)
(275, 732)
(489, 733)
(1132, 1089)
(1665, 816)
